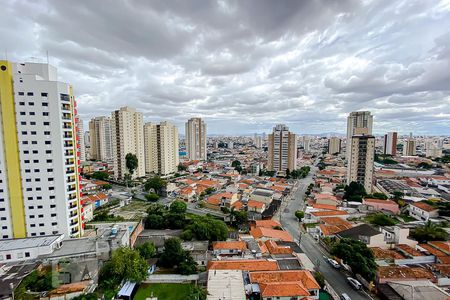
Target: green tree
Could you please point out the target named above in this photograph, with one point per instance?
(354, 192)
(156, 183)
(125, 264)
(188, 265)
(175, 220)
(236, 163)
(152, 197)
(182, 167)
(429, 232)
(424, 165)
(99, 175)
(300, 215)
(131, 162)
(146, 250)
(381, 219)
(397, 195)
(378, 196)
(173, 253)
(90, 296)
(320, 279)
(154, 221)
(197, 293)
(178, 207)
(209, 190)
(107, 186)
(156, 209)
(239, 217)
(208, 228)
(357, 256)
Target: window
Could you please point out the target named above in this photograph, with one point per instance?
(29, 189)
(21, 93)
(48, 142)
(26, 152)
(41, 224)
(51, 179)
(46, 132)
(30, 198)
(32, 123)
(30, 94)
(2, 209)
(44, 103)
(31, 103)
(52, 197)
(33, 233)
(44, 94)
(27, 254)
(28, 180)
(35, 161)
(33, 142)
(52, 205)
(54, 223)
(27, 161)
(37, 170)
(32, 113)
(39, 198)
(27, 171)
(8, 256)
(22, 113)
(38, 189)
(49, 161)
(53, 215)
(48, 151)
(45, 113)
(33, 132)
(40, 216)
(49, 170)
(24, 142)
(52, 188)
(33, 225)
(37, 180)
(35, 151)
(21, 103)
(46, 123)
(32, 217)
(30, 207)
(23, 123)
(24, 133)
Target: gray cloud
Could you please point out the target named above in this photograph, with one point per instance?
(246, 65)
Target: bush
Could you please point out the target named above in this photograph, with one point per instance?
(152, 197)
(300, 215)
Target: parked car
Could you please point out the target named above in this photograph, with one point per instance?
(354, 283)
(334, 263)
(344, 296)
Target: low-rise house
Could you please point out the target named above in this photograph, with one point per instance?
(316, 216)
(198, 250)
(69, 291)
(262, 195)
(98, 199)
(402, 273)
(87, 213)
(16, 250)
(262, 233)
(187, 194)
(220, 200)
(226, 284)
(229, 248)
(366, 234)
(256, 206)
(332, 225)
(266, 223)
(244, 265)
(397, 235)
(325, 198)
(295, 284)
(418, 289)
(382, 205)
(422, 211)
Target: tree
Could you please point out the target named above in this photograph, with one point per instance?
(175, 220)
(156, 209)
(300, 215)
(197, 293)
(320, 279)
(99, 175)
(156, 183)
(397, 195)
(355, 191)
(125, 264)
(239, 217)
(235, 163)
(429, 232)
(146, 250)
(378, 196)
(381, 219)
(188, 265)
(155, 222)
(107, 186)
(131, 162)
(174, 256)
(207, 228)
(209, 190)
(152, 197)
(182, 167)
(357, 256)
(178, 207)
(424, 165)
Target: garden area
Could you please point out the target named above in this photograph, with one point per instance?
(169, 291)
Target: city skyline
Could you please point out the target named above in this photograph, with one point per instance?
(305, 66)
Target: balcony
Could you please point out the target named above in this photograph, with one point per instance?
(68, 144)
(65, 107)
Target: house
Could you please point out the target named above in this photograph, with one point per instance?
(256, 206)
(187, 194)
(98, 199)
(244, 265)
(316, 216)
(422, 289)
(226, 284)
(229, 248)
(286, 284)
(325, 198)
(422, 211)
(69, 291)
(332, 225)
(274, 249)
(262, 233)
(397, 235)
(366, 234)
(263, 195)
(402, 273)
(267, 223)
(382, 205)
(16, 250)
(217, 201)
(198, 250)
(87, 213)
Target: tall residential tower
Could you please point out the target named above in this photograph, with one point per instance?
(357, 120)
(100, 138)
(196, 139)
(282, 149)
(390, 143)
(39, 177)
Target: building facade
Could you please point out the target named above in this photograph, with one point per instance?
(282, 149)
(334, 145)
(196, 139)
(390, 143)
(127, 137)
(100, 138)
(161, 148)
(80, 138)
(357, 120)
(409, 146)
(361, 160)
(39, 154)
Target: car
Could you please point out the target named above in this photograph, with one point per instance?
(334, 263)
(354, 283)
(344, 296)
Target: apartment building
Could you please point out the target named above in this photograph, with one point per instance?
(409, 146)
(390, 143)
(357, 120)
(127, 137)
(196, 139)
(334, 145)
(161, 148)
(80, 138)
(282, 149)
(39, 154)
(361, 159)
(100, 138)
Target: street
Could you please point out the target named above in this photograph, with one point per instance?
(311, 248)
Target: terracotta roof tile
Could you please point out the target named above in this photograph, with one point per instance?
(283, 289)
(260, 232)
(329, 213)
(409, 250)
(245, 265)
(386, 253)
(256, 204)
(273, 248)
(424, 206)
(302, 276)
(240, 245)
(267, 223)
(401, 272)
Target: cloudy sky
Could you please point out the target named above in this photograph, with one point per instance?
(249, 64)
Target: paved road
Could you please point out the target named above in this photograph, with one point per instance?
(311, 248)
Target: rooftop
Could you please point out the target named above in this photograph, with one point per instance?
(244, 265)
(424, 206)
(267, 223)
(31, 242)
(402, 272)
(226, 284)
(357, 231)
(259, 232)
(240, 245)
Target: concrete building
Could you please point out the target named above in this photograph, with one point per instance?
(196, 139)
(100, 136)
(258, 142)
(361, 159)
(282, 149)
(80, 138)
(128, 137)
(409, 146)
(334, 145)
(431, 150)
(390, 143)
(161, 148)
(39, 177)
(87, 145)
(305, 142)
(357, 120)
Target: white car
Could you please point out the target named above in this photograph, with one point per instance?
(344, 296)
(354, 283)
(334, 263)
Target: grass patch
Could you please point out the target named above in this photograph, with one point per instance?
(310, 225)
(136, 206)
(407, 218)
(164, 291)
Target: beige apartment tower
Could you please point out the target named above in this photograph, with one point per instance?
(409, 146)
(282, 146)
(100, 137)
(357, 120)
(390, 143)
(161, 148)
(127, 137)
(334, 145)
(196, 139)
(361, 159)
